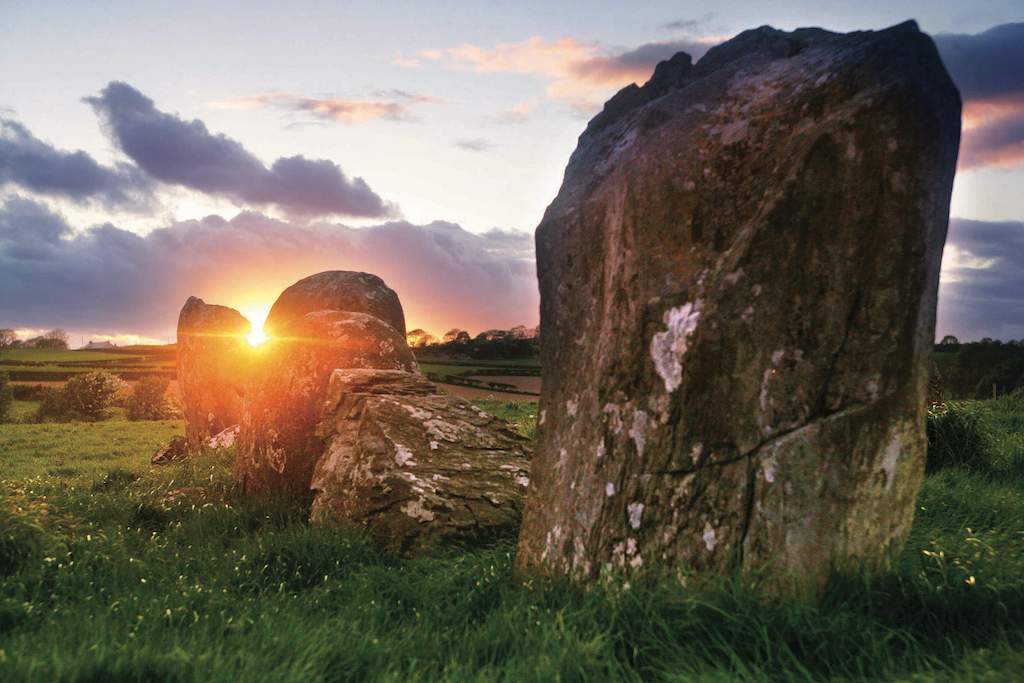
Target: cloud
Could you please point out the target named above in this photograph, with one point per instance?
(982, 288)
(473, 144)
(186, 153)
(582, 74)
(992, 136)
(985, 65)
(393, 105)
(987, 68)
(107, 279)
(36, 166)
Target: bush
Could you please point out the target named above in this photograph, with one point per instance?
(148, 400)
(958, 436)
(6, 396)
(84, 397)
(90, 395)
(52, 406)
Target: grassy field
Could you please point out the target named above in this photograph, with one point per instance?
(44, 365)
(60, 355)
(113, 570)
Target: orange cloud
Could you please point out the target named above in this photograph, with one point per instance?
(392, 105)
(582, 74)
(993, 133)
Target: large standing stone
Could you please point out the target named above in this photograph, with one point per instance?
(738, 283)
(278, 446)
(338, 290)
(213, 361)
(416, 467)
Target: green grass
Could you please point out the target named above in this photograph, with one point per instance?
(522, 414)
(21, 411)
(112, 570)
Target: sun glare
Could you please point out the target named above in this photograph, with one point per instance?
(256, 337)
(257, 315)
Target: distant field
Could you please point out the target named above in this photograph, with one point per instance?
(46, 365)
(530, 384)
(476, 394)
(532, 362)
(61, 355)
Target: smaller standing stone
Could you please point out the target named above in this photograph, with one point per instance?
(213, 363)
(417, 468)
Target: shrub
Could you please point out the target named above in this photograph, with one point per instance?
(6, 396)
(91, 394)
(52, 406)
(84, 397)
(148, 400)
(957, 436)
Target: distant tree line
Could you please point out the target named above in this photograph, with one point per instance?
(980, 369)
(518, 342)
(54, 339)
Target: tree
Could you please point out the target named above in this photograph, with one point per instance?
(420, 337)
(7, 339)
(949, 340)
(453, 334)
(54, 339)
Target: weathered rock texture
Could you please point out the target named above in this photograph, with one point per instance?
(213, 362)
(738, 282)
(278, 445)
(337, 290)
(416, 467)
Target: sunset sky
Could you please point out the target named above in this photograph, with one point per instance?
(152, 151)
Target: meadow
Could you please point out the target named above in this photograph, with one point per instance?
(57, 365)
(114, 570)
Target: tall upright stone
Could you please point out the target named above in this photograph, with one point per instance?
(738, 283)
(213, 362)
(337, 290)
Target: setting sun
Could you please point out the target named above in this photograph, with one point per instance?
(257, 315)
(256, 336)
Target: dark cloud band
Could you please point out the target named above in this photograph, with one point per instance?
(987, 67)
(185, 153)
(36, 166)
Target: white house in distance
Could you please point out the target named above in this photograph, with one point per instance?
(98, 345)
